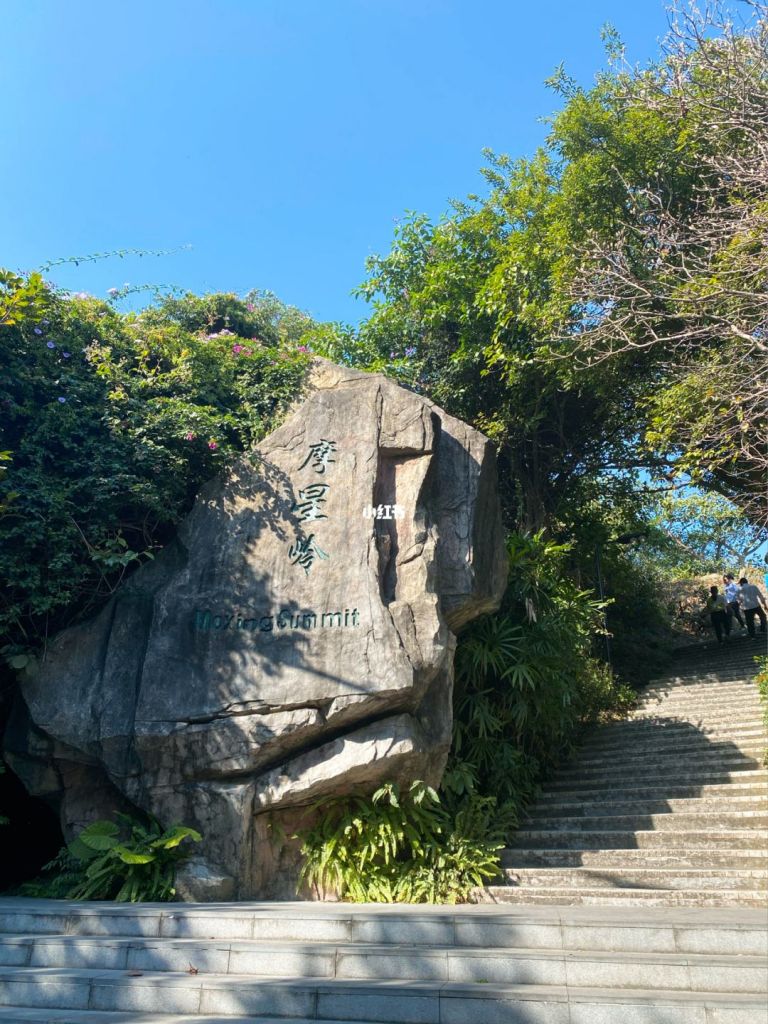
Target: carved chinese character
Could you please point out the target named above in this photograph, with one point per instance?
(310, 499)
(320, 455)
(304, 551)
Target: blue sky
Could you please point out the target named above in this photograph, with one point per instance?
(280, 139)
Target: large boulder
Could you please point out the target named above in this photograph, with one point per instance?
(289, 646)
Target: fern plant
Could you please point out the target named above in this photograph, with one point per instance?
(412, 848)
(100, 865)
(526, 681)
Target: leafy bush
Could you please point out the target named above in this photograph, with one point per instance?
(402, 849)
(99, 865)
(527, 681)
(112, 423)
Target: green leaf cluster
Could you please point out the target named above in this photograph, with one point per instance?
(398, 847)
(127, 862)
(109, 424)
(527, 680)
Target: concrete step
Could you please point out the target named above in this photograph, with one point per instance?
(590, 968)
(630, 758)
(729, 712)
(686, 700)
(708, 731)
(617, 839)
(731, 719)
(614, 897)
(386, 1002)
(654, 728)
(614, 769)
(707, 931)
(625, 877)
(659, 858)
(644, 791)
(687, 710)
(589, 780)
(664, 737)
(754, 742)
(39, 1015)
(678, 821)
(714, 805)
(702, 679)
(739, 672)
(727, 703)
(731, 688)
(718, 668)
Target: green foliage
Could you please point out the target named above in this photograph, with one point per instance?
(409, 848)
(674, 277)
(526, 683)
(527, 680)
(100, 864)
(474, 300)
(114, 421)
(644, 214)
(20, 297)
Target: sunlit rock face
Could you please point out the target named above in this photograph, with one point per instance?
(295, 641)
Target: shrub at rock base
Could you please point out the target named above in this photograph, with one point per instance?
(100, 865)
(409, 848)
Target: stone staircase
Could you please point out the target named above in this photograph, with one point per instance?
(668, 808)
(294, 963)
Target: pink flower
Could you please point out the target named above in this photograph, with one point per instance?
(237, 349)
(212, 445)
(250, 307)
(303, 348)
(190, 436)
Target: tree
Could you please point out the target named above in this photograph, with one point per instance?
(680, 276)
(694, 532)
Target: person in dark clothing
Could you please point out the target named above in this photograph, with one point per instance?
(732, 595)
(718, 614)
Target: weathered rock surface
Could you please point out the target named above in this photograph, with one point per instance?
(287, 646)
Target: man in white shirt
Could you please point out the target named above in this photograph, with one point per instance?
(732, 593)
(753, 602)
